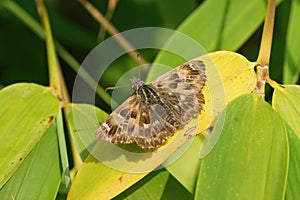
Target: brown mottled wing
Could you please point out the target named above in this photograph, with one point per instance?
(154, 129)
(119, 127)
(149, 125)
(186, 83)
(134, 121)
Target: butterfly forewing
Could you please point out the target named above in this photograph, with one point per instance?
(186, 82)
(156, 110)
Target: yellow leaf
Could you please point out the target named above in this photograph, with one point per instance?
(229, 75)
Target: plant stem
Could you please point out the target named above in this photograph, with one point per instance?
(265, 49)
(110, 11)
(57, 83)
(53, 66)
(112, 30)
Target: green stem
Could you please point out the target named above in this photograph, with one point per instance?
(124, 43)
(66, 178)
(53, 66)
(263, 59)
(57, 83)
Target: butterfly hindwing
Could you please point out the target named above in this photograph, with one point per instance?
(120, 126)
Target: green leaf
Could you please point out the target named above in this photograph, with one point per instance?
(293, 181)
(156, 185)
(215, 25)
(109, 170)
(66, 177)
(173, 12)
(229, 75)
(190, 158)
(26, 112)
(83, 121)
(286, 101)
(237, 77)
(150, 187)
(291, 70)
(250, 159)
(39, 175)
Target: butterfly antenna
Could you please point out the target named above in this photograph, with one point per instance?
(116, 87)
(139, 63)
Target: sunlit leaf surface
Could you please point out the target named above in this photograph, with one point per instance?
(250, 159)
(26, 112)
(39, 175)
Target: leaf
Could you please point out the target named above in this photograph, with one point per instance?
(229, 75)
(286, 101)
(187, 176)
(150, 187)
(83, 123)
(293, 181)
(250, 159)
(172, 12)
(109, 170)
(26, 112)
(156, 185)
(144, 162)
(214, 25)
(291, 70)
(39, 175)
(63, 154)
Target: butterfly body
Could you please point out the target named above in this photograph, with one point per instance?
(154, 112)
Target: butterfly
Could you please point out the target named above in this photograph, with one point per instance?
(156, 110)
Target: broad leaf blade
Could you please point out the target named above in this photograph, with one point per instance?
(291, 69)
(187, 176)
(217, 25)
(115, 170)
(83, 120)
(96, 180)
(26, 112)
(39, 175)
(293, 181)
(156, 185)
(215, 99)
(286, 101)
(229, 75)
(250, 159)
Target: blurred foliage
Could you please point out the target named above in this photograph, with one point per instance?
(22, 52)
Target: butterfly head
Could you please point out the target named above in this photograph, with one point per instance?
(136, 83)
